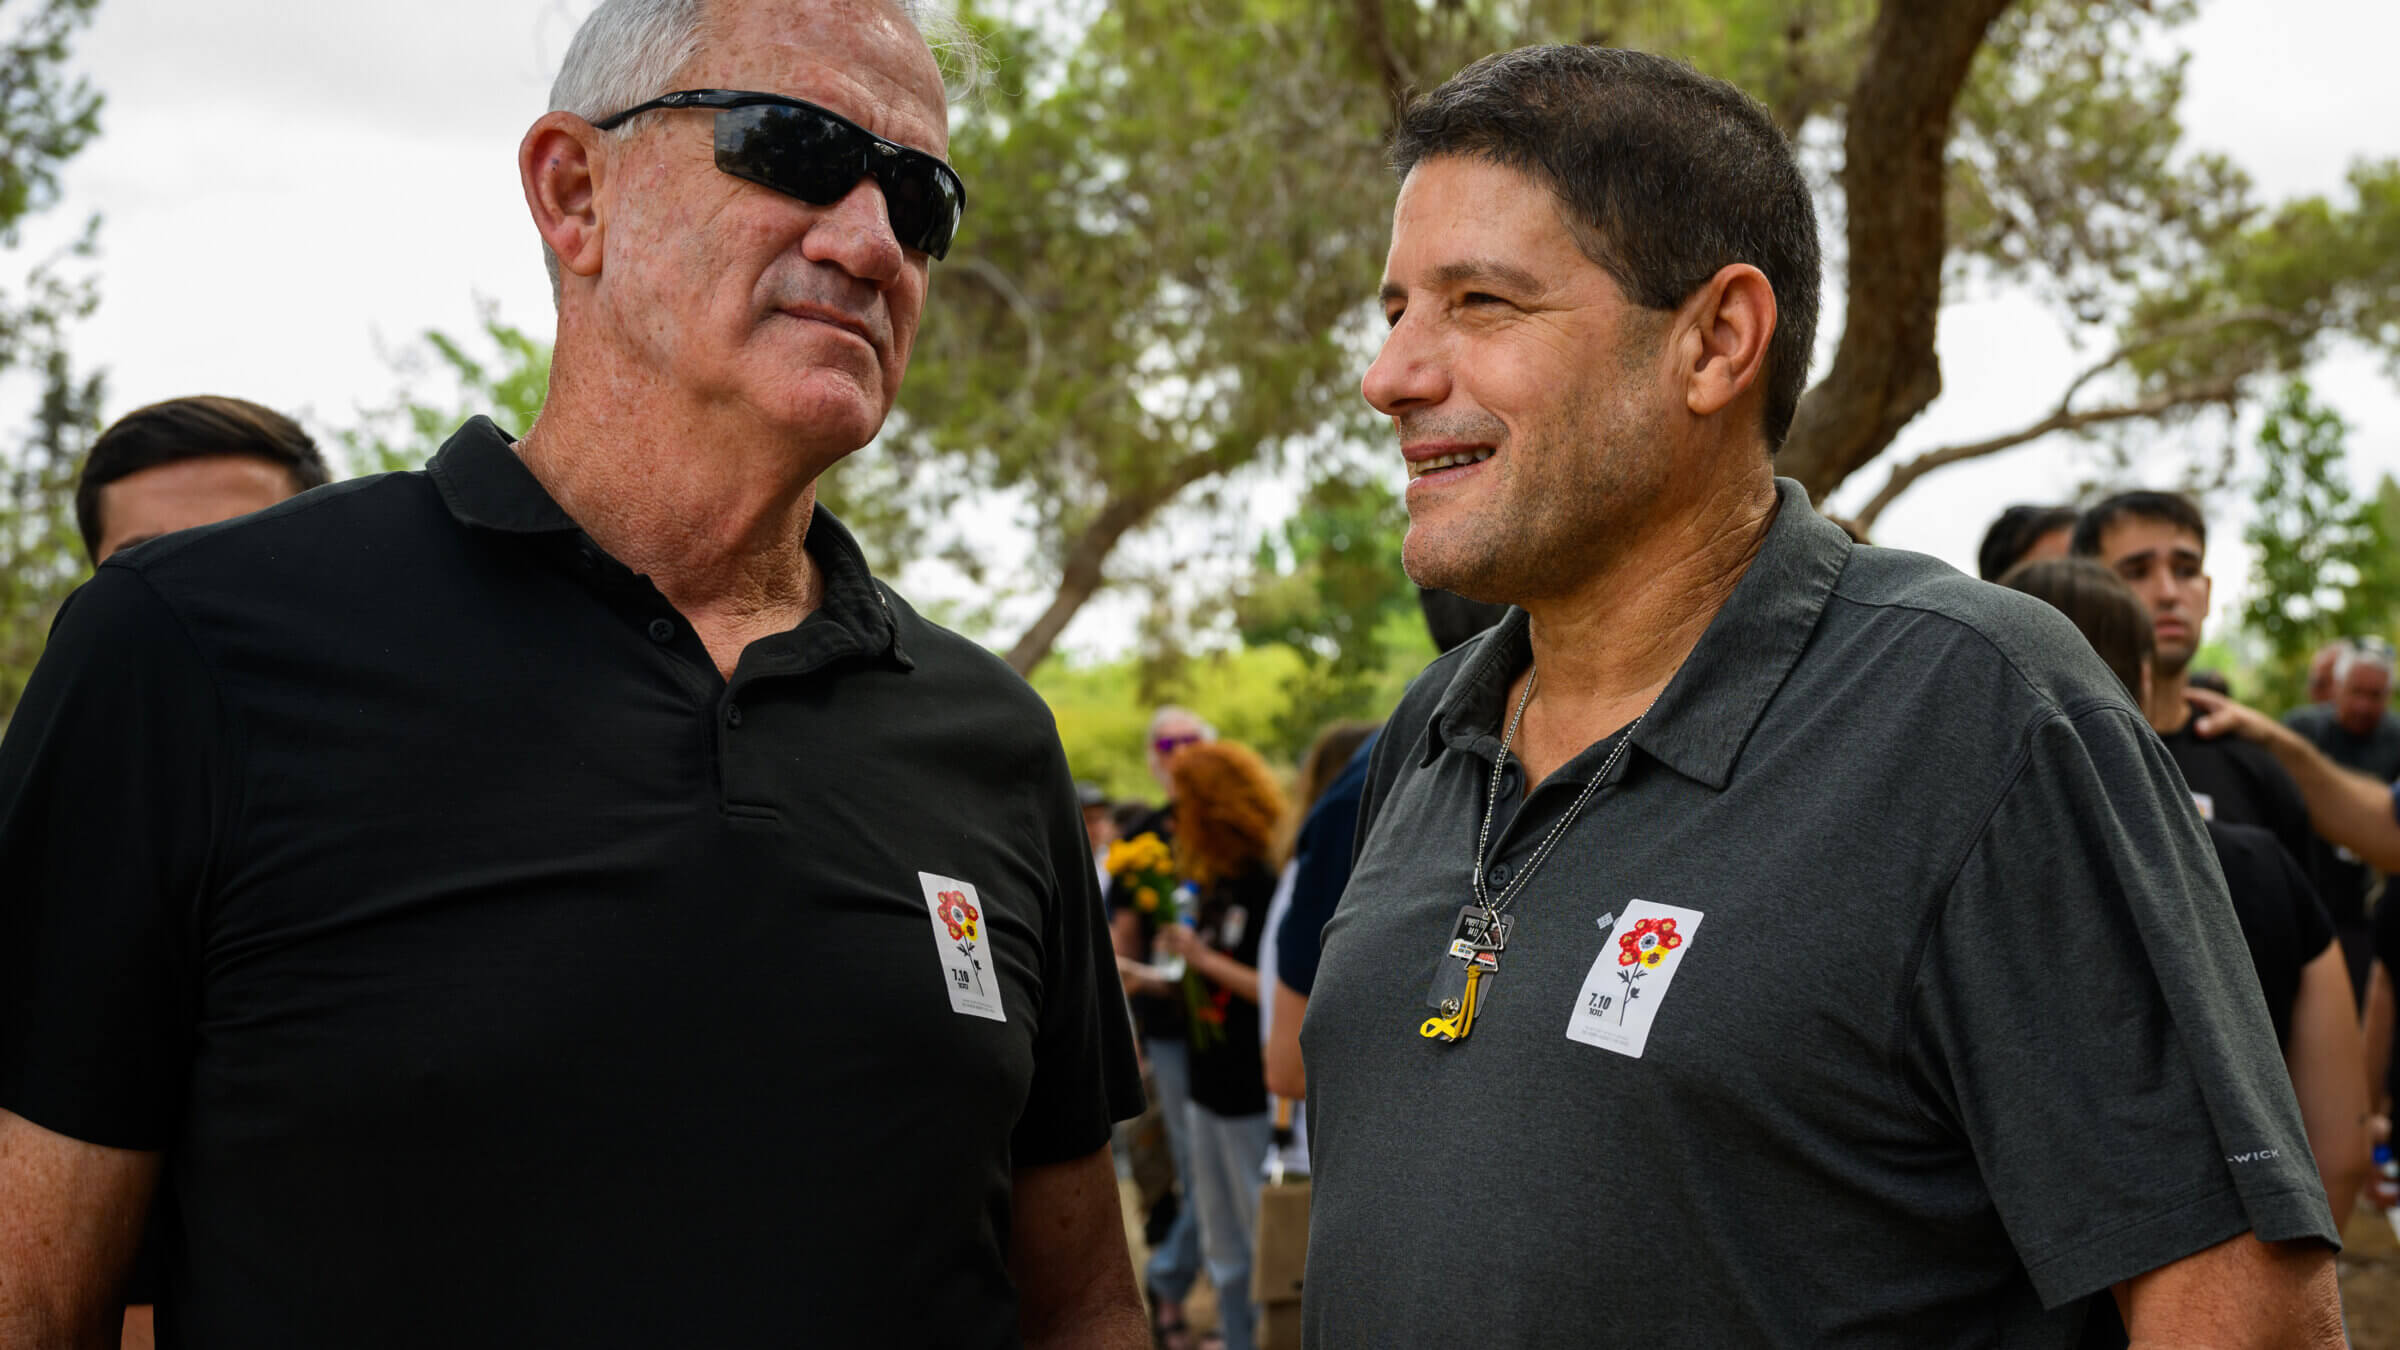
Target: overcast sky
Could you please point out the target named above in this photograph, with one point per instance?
(289, 189)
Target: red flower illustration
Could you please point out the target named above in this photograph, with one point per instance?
(959, 916)
(1648, 942)
(1644, 946)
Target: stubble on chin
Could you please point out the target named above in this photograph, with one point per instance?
(1564, 497)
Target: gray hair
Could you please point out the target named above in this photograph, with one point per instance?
(631, 51)
(2354, 654)
(1176, 713)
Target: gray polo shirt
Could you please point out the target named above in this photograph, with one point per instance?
(1887, 995)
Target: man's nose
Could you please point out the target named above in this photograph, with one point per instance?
(855, 234)
(1408, 373)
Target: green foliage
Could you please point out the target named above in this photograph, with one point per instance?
(2268, 296)
(1327, 585)
(45, 120)
(2325, 566)
(41, 553)
(1103, 717)
(508, 383)
(2068, 170)
(1153, 292)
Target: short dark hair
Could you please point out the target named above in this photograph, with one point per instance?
(191, 428)
(2170, 508)
(1667, 176)
(2014, 532)
(2113, 619)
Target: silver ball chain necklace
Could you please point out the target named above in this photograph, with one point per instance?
(1481, 933)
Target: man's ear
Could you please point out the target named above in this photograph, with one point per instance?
(1728, 323)
(561, 165)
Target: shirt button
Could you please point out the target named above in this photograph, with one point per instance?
(662, 630)
(1501, 872)
(587, 558)
(733, 714)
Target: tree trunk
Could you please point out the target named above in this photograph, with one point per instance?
(1894, 179)
(1087, 557)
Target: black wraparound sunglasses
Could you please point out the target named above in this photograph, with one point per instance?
(818, 155)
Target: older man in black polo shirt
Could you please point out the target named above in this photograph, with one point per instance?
(1706, 978)
(579, 905)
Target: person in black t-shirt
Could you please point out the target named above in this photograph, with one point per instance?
(171, 466)
(579, 904)
(1227, 809)
(2302, 973)
(2355, 729)
(1158, 1017)
(2157, 543)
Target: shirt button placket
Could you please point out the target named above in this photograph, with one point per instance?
(662, 630)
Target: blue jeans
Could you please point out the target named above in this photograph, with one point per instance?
(1227, 1153)
(1175, 1264)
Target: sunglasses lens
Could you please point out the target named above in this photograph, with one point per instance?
(795, 151)
(805, 153)
(923, 204)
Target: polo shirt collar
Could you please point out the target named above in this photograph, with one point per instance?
(485, 484)
(1708, 711)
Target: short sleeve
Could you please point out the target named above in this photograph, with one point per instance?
(2085, 1018)
(1085, 1077)
(114, 796)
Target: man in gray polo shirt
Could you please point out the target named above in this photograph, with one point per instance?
(1706, 979)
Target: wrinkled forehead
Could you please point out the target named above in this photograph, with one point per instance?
(860, 58)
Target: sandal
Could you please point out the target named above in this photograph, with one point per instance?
(1168, 1331)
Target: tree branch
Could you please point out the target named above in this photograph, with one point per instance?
(1375, 38)
(1083, 573)
(1894, 178)
(2064, 417)
(2221, 390)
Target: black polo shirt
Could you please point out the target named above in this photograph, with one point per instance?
(1885, 995)
(493, 972)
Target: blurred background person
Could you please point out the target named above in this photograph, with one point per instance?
(2302, 974)
(2022, 534)
(2157, 544)
(1159, 1017)
(178, 465)
(1331, 756)
(2354, 729)
(189, 462)
(1228, 811)
(1099, 825)
(2320, 670)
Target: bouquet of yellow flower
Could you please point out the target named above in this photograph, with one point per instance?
(1145, 867)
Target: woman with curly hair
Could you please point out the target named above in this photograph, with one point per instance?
(1227, 813)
